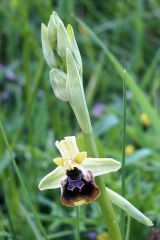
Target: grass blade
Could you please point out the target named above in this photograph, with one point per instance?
(31, 223)
(123, 172)
(27, 196)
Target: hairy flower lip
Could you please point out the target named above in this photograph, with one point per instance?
(82, 189)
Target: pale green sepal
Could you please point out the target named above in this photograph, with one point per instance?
(46, 47)
(58, 82)
(75, 93)
(62, 41)
(52, 31)
(74, 47)
(53, 179)
(128, 207)
(101, 166)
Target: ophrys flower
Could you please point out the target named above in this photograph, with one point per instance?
(75, 173)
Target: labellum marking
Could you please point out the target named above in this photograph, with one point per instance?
(72, 184)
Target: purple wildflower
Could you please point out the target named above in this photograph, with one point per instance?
(91, 235)
(98, 109)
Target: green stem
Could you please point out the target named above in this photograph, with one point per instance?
(128, 228)
(123, 155)
(104, 201)
(77, 224)
(123, 138)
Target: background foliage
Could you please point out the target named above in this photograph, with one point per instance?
(33, 118)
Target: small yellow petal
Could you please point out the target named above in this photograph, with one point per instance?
(80, 157)
(59, 161)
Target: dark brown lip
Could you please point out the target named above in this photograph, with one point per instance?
(79, 188)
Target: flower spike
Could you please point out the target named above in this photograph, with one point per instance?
(62, 54)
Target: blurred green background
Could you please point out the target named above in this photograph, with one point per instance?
(128, 33)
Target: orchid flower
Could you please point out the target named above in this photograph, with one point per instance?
(75, 173)
(75, 176)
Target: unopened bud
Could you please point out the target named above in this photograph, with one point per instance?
(58, 82)
(62, 42)
(52, 32)
(46, 47)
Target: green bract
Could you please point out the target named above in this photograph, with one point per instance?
(74, 48)
(75, 93)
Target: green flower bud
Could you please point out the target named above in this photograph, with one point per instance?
(58, 82)
(63, 42)
(52, 32)
(46, 47)
(52, 29)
